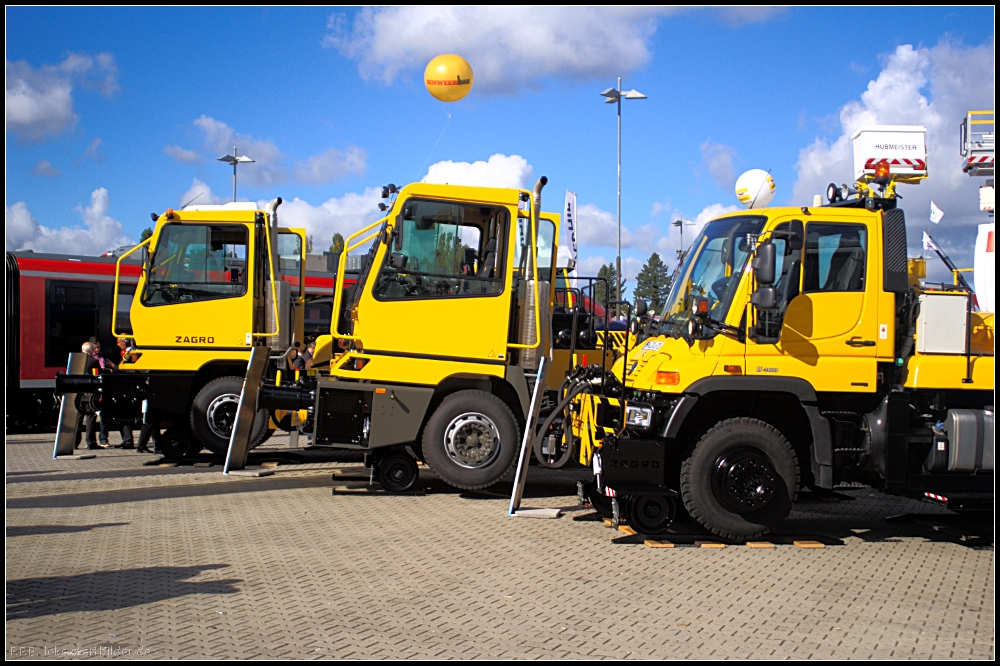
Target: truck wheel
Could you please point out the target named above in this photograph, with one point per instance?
(740, 479)
(397, 472)
(650, 514)
(213, 414)
(175, 444)
(472, 440)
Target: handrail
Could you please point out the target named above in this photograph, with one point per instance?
(114, 307)
(338, 286)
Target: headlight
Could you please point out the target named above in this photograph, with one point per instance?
(638, 417)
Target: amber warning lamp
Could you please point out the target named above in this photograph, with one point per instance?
(882, 175)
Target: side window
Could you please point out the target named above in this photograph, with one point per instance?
(546, 234)
(290, 257)
(445, 250)
(835, 257)
(196, 262)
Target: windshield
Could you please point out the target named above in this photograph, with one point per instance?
(196, 262)
(712, 270)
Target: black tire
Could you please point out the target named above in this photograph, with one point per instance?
(213, 413)
(397, 472)
(741, 478)
(482, 419)
(175, 444)
(650, 514)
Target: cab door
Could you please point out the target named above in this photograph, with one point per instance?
(827, 316)
(437, 287)
(196, 293)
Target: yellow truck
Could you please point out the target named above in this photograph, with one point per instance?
(435, 352)
(798, 349)
(217, 282)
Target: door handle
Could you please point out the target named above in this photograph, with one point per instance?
(861, 343)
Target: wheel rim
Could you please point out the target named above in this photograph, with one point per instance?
(472, 440)
(744, 480)
(221, 414)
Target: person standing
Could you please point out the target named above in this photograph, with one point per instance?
(309, 353)
(86, 420)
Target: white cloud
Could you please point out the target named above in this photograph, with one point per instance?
(39, 101)
(183, 155)
(498, 171)
(343, 215)
(199, 194)
(509, 46)
(933, 87)
(668, 245)
(598, 227)
(101, 233)
(332, 165)
(45, 168)
(718, 160)
(93, 151)
(267, 168)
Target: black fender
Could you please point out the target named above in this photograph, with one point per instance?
(821, 447)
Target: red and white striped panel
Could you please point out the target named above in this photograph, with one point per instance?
(898, 164)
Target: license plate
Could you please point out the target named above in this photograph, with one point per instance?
(652, 345)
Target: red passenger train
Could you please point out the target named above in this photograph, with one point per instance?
(56, 302)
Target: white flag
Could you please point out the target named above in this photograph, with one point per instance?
(929, 243)
(570, 211)
(936, 213)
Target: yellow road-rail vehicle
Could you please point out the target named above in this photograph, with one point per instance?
(435, 352)
(798, 348)
(217, 282)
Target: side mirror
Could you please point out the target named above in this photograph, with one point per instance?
(398, 261)
(397, 234)
(765, 298)
(641, 308)
(764, 263)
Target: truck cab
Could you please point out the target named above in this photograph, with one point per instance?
(797, 350)
(216, 282)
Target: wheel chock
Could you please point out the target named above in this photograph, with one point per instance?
(808, 544)
(652, 543)
(709, 544)
(760, 544)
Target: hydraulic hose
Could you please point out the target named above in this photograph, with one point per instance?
(560, 408)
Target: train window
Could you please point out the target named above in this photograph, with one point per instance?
(197, 262)
(71, 318)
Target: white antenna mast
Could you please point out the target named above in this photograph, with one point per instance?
(234, 159)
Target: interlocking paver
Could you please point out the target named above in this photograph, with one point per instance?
(182, 562)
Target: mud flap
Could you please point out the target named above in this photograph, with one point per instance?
(530, 424)
(239, 441)
(66, 433)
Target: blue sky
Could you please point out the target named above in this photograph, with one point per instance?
(114, 113)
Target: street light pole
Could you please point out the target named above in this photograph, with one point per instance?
(618, 256)
(615, 95)
(234, 159)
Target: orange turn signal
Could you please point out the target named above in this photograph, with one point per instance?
(668, 377)
(734, 369)
(380, 391)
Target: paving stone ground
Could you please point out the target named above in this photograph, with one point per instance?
(111, 558)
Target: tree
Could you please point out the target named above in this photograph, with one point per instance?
(309, 244)
(146, 233)
(608, 272)
(653, 282)
(337, 246)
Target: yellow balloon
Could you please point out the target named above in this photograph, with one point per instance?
(448, 77)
